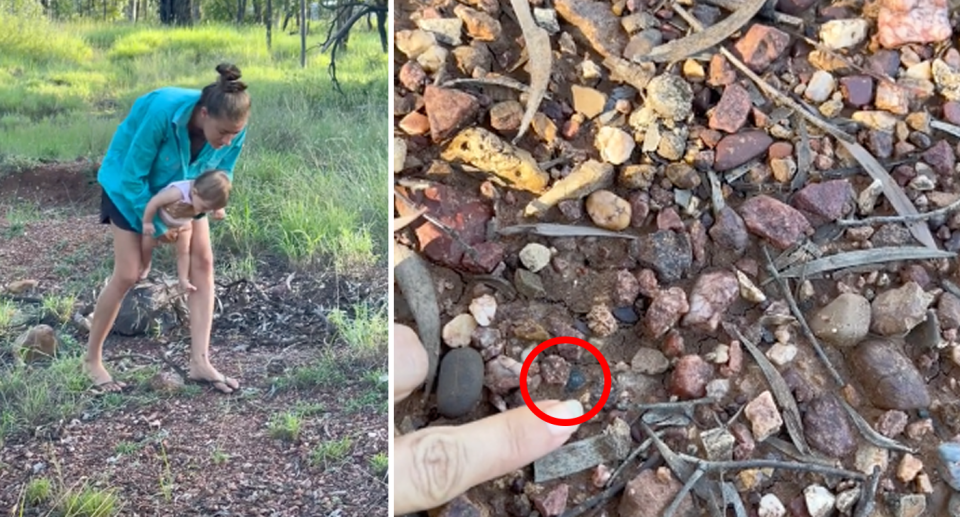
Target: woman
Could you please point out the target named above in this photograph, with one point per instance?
(170, 134)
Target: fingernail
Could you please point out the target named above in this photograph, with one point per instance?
(566, 410)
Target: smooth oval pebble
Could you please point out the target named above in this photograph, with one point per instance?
(626, 315)
(576, 380)
(460, 382)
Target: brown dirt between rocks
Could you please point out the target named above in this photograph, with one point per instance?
(501, 496)
(264, 332)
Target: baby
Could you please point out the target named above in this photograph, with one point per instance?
(178, 204)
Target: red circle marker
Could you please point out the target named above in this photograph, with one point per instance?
(565, 421)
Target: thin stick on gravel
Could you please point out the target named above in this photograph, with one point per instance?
(505, 82)
(684, 490)
(892, 219)
(795, 310)
(633, 455)
(891, 189)
(679, 404)
(710, 466)
(868, 494)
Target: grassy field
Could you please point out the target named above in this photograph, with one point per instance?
(311, 194)
(312, 180)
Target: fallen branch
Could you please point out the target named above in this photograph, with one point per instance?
(868, 494)
(888, 219)
(891, 189)
(765, 12)
(795, 310)
(710, 466)
(504, 82)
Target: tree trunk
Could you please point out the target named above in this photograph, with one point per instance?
(196, 10)
(257, 11)
(104, 10)
(269, 21)
(303, 33)
(239, 12)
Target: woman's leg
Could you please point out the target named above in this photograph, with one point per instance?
(147, 243)
(126, 271)
(200, 303)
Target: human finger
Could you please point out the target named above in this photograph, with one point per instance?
(410, 362)
(437, 464)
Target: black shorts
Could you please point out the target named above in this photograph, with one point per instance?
(109, 213)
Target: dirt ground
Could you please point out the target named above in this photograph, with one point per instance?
(194, 450)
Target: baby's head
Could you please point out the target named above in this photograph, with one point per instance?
(211, 191)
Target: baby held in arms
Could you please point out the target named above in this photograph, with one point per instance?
(178, 204)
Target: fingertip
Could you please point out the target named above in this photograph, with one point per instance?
(565, 410)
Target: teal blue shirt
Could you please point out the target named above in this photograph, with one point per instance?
(151, 149)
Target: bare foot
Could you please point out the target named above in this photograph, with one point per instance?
(209, 375)
(145, 271)
(186, 285)
(101, 377)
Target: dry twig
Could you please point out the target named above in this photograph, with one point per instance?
(892, 219)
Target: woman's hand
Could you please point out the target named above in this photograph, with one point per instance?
(218, 214)
(149, 229)
(436, 464)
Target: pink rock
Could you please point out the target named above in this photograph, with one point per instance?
(489, 255)
(673, 344)
(774, 220)
(711, 296)
(502, 374)
(555, 370)
(913, 21)
(761, 45)
(940, 157)
(721, 72)
(669, 219)
(826, 201)
(735, 361)
(857, 89)
(690, 377)
(651, 492)
(731, 112)
(555, 501)
(736, 150)
(449, 111)
(628, 288)
(729, 230)
(951, 112)
(647, 282)
(763, 415)
(412, 76)
(892, 423)
(665, 311)
(466, 214)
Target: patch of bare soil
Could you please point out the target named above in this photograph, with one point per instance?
(72, 184)
(305, 435)
(675, 146)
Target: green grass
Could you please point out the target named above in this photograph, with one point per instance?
(34, 397)
(311, 184)
(380, 463)
(38, 491)
(285, 426)
(330, 454)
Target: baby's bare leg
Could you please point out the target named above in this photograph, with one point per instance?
(147, 243)
(183, 256)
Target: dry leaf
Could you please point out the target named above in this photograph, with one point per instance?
(540, 61)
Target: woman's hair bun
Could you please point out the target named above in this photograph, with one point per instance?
(230, 78)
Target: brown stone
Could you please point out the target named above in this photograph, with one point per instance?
(448, 110)
(940, 157)
(738, 149)
(690, 377)
(721, 72)
(913, 21)
(415, 123)
(826, 201)
(506, 115)
(761, 45)
(412, 76)
(857, 90)
(774, 220)
(597, 22)
(780, 150)
(731, 112)
(951, 112)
